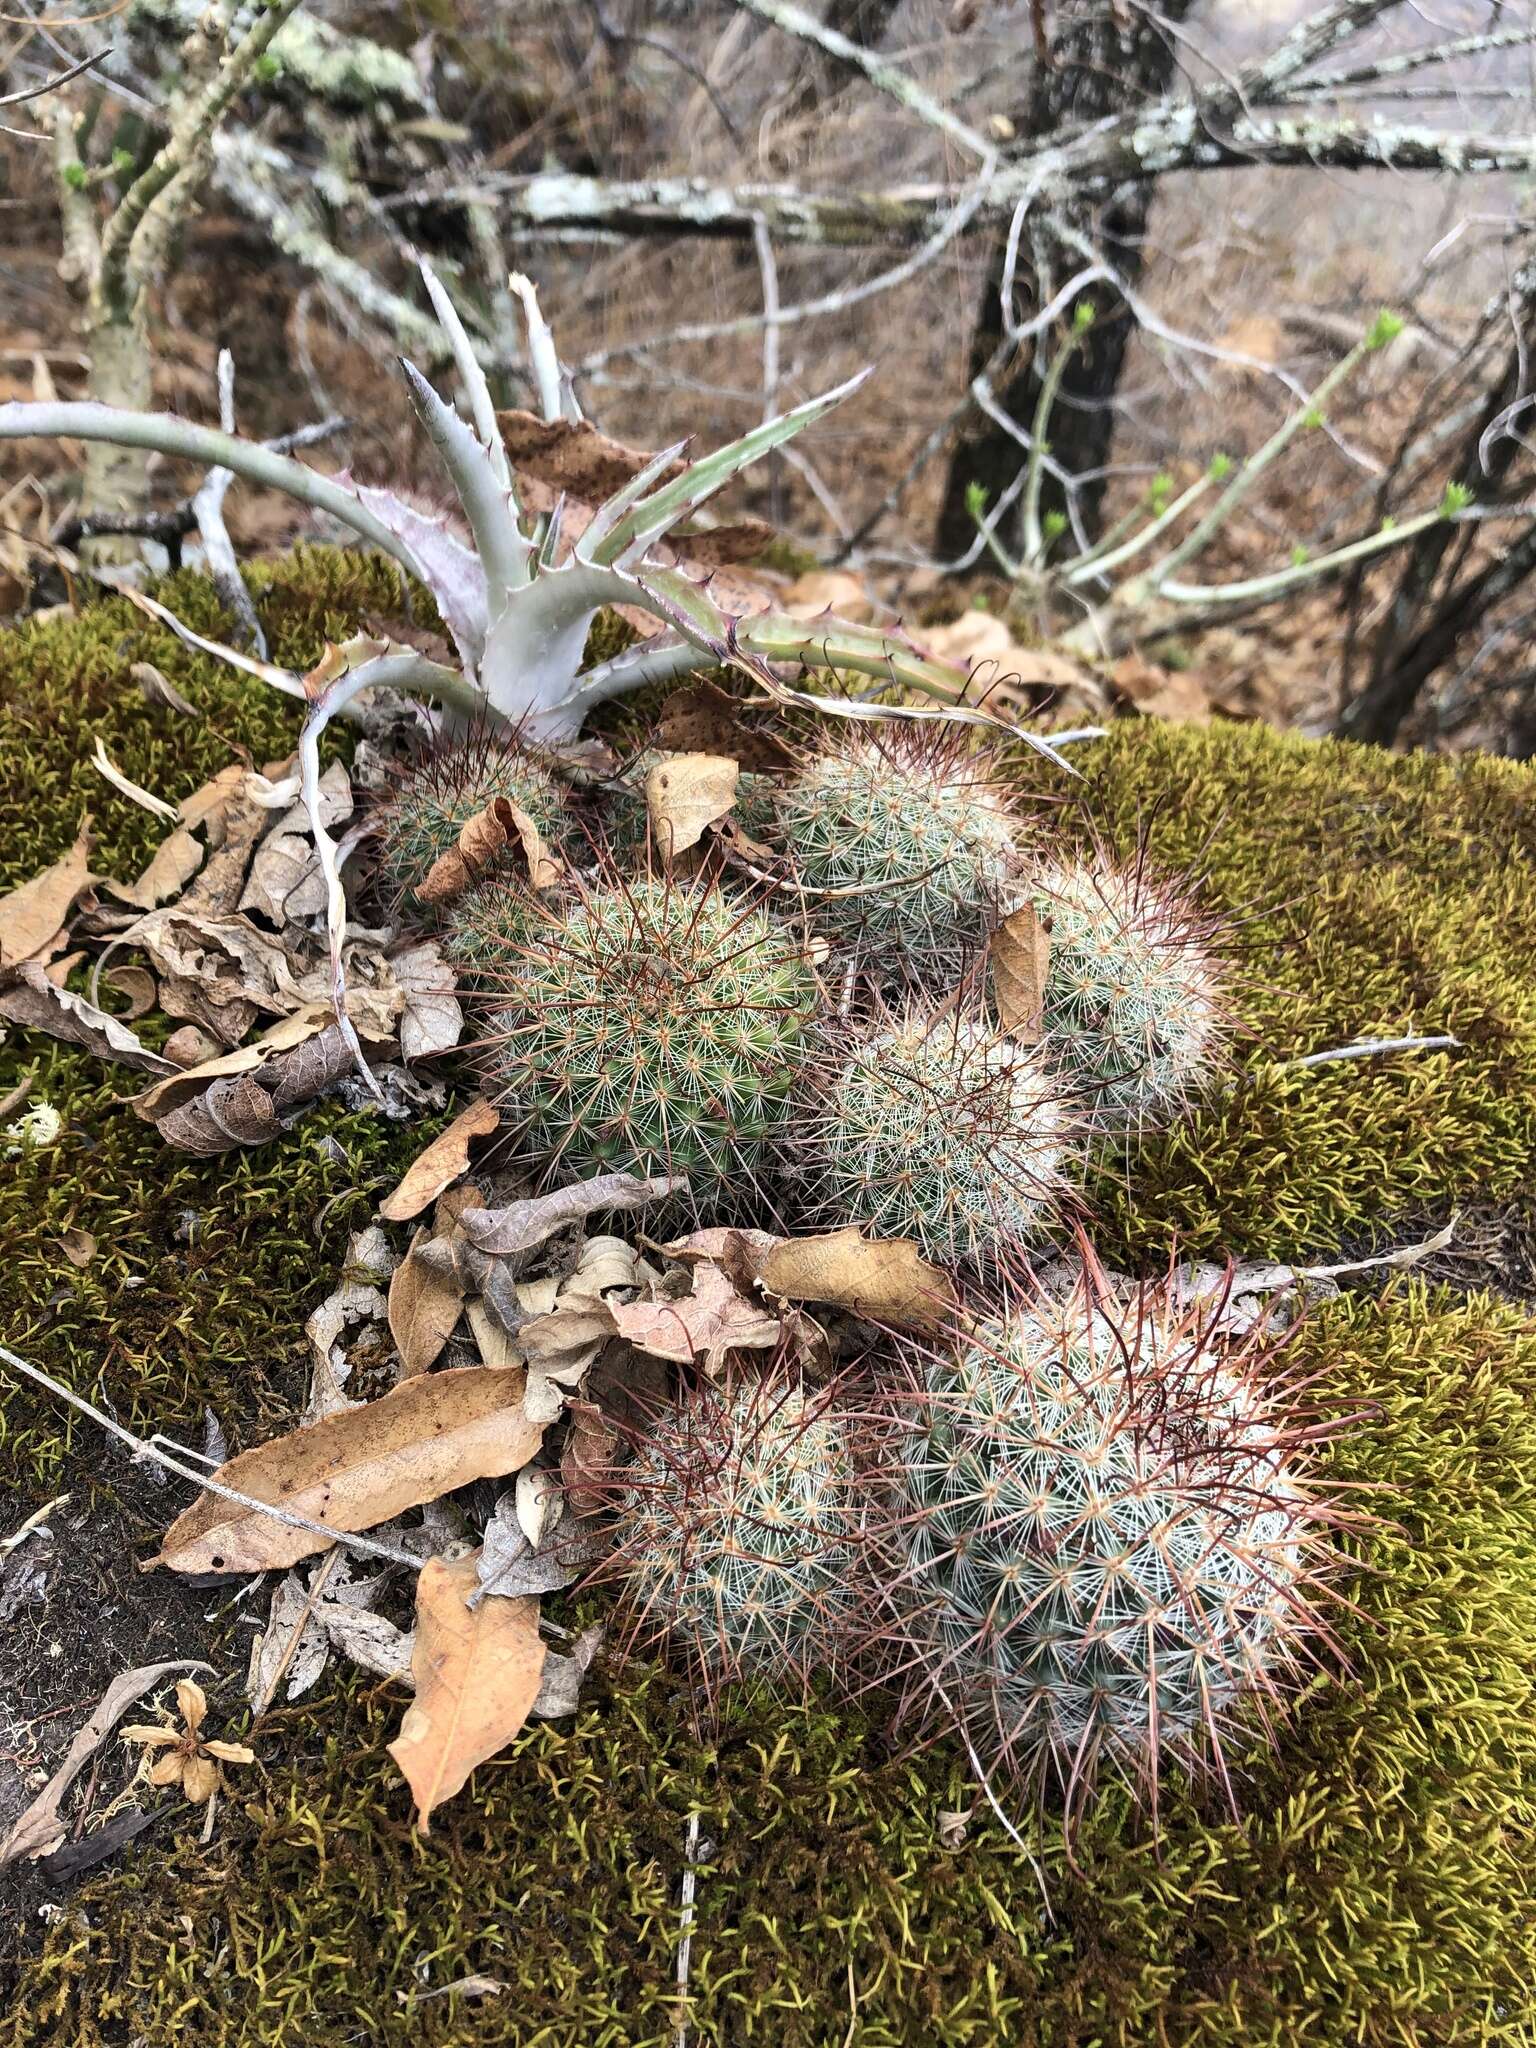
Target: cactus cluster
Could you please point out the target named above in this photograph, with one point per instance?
(1108, 1537)
(434, 798)
(939, 1130)
(903, 843)
(1134, 991)
(652, 1026)
(738, 1532)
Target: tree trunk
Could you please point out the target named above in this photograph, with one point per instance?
(115, 480)
(1100, 64)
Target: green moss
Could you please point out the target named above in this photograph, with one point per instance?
(1377, 1892)
(1381, 896)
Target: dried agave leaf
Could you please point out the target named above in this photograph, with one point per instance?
(886, 1279)
(425, 1303)
(477, 1676)
(432, 1433)
(1020, 955)
(685, 794)
(445, 1161)
(32, 916)
(708, 1324)
(31, 1000)
(522, 1225)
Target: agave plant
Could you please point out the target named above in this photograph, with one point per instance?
(516, 598)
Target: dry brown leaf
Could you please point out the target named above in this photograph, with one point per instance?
(574, 456)
(58, 971)
(31, 1000)
(1175, 694)
(1020, 954)
(78, 1246)
(477, 1675)
(716, 1318)
(445, 1160)
(522, 1225)
(157, 688)
(32, 916)
(40, 1828)
(185, 1083)
(586, 1464)
(285, 884)
(982, 643)
(886, 1279)
(138, 985)
(481, 842)
(701, 718)
(821, 591)
(685, 794)
(188, 1047)
(424, 1305)
(176, 860)
(434, 1432)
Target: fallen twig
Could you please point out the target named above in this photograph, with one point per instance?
(1367, 1048)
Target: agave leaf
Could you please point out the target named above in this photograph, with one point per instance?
(450, 570)
(489, 508)
(482, 407)
(613, 509)
(646, 522)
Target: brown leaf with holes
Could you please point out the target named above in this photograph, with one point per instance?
(445, 1161)
(686, 794)
(713, 1320)
(1020, 954)
(425, 1302)
(476, 1674)
(433, 1433)
(482, 842)
(886, 1279)
(33, 916)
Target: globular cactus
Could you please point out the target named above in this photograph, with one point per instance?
(939, 1130)
(1135, 989)
(436, 796)
(916, 828)
(489, 925)
(738, 1527)
(652, 1026)
(1108, 1537)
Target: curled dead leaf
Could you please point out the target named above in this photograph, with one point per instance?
(477, 1676)
(31, 1000)
(708, 1323)
(701, 718)
(481, 842)
(522, 1225)
(353, 1470)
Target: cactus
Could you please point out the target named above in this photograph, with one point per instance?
(919, 828)
(1108, 1537)
(940, 1131)
(1135, 992)
(738, 1533)
(652, 1026)
(437, 796)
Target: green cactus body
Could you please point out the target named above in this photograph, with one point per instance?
(626, 817)
(653, 1026)
(1108, 1538)
(1134, 994)
(945, 1133)
(438, 795)
(737, 1532)
(489, 925)
(921, 827)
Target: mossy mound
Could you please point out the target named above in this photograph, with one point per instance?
(1377, 1888)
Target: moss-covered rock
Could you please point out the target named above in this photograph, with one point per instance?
(1377, 1888)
